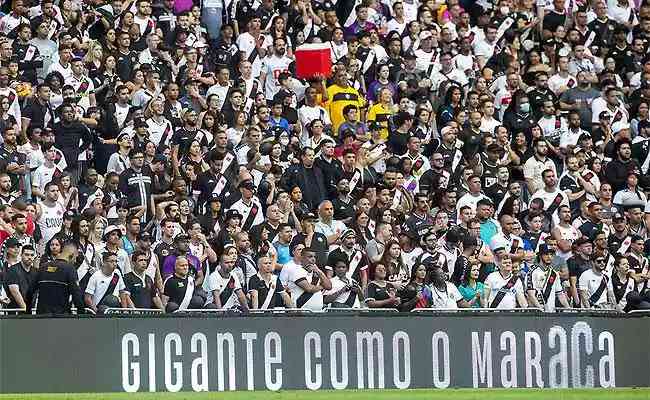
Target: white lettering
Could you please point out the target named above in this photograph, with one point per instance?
(437, 339)
(482, 360)
(401, 337)
(226, 338)
(199, 344)
(533, 344)
(312, 382)
(272, 344)
(177, 366)
(340, 338)
(248, 337)
(581, 329)
(367, 341)
(557, 337)
(152, 362)
(607, 365)
(509, 362)
(130, 369)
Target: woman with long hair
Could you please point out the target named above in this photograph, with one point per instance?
(195, 156)
(360, 224)
(109, 41)
(382, 111)
(417, 293)
(69, 193)
(96, 231)
(381, 294)
(52, 250)
(236, 132)
(56, 82)
(6, 119)
(380, 83)
(397, 273)
(470, 288)
(450, 106)
(186, 215)
(422, 123)
(640, 113)
(137, 81)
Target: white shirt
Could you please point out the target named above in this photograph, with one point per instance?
(536, 279)
(446, 299)
(98, 284)
(469, 200)
(556, 82)
(338, 284)
(294, 274)
(590, 282)
(215, 281)
(496, 282)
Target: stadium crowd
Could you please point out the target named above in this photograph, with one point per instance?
(461, 153)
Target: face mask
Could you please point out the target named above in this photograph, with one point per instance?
(524, 107)
(284, 141)
(505, 10)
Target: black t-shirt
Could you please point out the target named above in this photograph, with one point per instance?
(175, 288)
(397, 142)
(141, 292)
(552, 20)
(319, 244)
(577, 265)
(162, 250)
(16, 275)
(378, 293)
(342, 210)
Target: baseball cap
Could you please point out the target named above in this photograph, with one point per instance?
(181, 236)
(619, 126)
(69, 214)
(232, 213)
(374, 126)
(425, 35)
(214, 197)
(247, 184)
(140, 123)
(618, 217)
(159, 158)
(545, 249)
(584, 136)
(309, 216)
(410, 54)
(604, 115)
(12, 242)
(111, 228)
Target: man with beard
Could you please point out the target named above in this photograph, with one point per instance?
(304, 280)
(618, 240)
(449, 147)
(617, 170)
(136, 182)
(329, 165)
(574, 185)
(344, 203)
(308, 177)
(12, 161)
(420, 220)
(499, 191)
(552, 196)
(540, 94)
(181, 248)
(437, 177)
(511, 243)
(245, 266)
(636, 222)
(564, 232)
(400, 198)
(273, 65)
(354, 258)
(594, 222)
(579, 98)
(596, 290)
(229, 166)
(88, 188)
(7, 196)
(543, 283)
(183, 137)
(19, 278)
(578, 264)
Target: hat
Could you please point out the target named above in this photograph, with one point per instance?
(549, 42)
(214, 197)
(584, 136)
(604, 115)
(348, 233)
(309, 216)
(619, 126)
(577, 149)
(618, 217)
(140, 123)
(545, 249)
(410, 54)
(425, 35)
(347, 132)
(446, 130)
(121, 135)
(12, 242)
(111, 228)
(582, 240)
(247, 184)
(159, 158)
(635, 172)
(232, 213)
(494, 148)
(144, 235)
(374, 126)
(181, 236)
(69, 214)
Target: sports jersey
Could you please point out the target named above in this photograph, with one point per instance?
(340, 97)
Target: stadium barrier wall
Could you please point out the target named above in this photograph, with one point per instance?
(277, 351)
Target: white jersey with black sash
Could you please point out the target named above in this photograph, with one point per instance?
(596, 285)
(356, 260)
(546, 283)
(226, 286)
(293, 274)
(100, 286)
(269, 292)
(347, 297)
(251, 213)
(503, 290)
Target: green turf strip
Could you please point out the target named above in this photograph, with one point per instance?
(449, 394)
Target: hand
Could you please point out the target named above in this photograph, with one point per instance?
(169, 193)
(419, 296)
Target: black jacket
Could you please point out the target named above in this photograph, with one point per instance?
(55, 282)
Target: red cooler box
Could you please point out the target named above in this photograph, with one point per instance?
(313, 59)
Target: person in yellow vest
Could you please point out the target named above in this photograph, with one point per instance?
(382, 111)
(341, 94)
